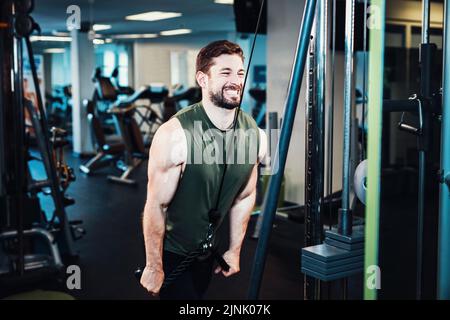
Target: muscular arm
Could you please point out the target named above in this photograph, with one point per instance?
(167, 156)
(240, 214)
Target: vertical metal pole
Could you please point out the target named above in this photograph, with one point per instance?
(443, 273)
(425, 21)
(363, 112)
(271, 197)
(421, 201)
(422, 153)
(375, 112)
(345, 218)
(7, 150)
(315, 144)
(331, 119)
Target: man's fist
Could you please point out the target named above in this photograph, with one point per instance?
(152, 279)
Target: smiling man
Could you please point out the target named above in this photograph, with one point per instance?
(188, 196)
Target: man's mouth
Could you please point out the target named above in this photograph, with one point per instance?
(232, 92)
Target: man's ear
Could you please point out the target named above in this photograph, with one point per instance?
(202, 79)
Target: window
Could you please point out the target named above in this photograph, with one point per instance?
(123, 69)
(109, 62)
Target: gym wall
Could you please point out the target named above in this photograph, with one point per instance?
(283, 23)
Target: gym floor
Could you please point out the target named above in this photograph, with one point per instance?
(113, 245)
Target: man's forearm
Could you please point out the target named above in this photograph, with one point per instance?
(154, 229)
(239, 217)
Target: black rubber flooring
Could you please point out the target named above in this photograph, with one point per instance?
(113, 246)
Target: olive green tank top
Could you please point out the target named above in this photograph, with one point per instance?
(187, 214)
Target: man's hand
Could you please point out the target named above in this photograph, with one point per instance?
(152, 279)
(232, 259)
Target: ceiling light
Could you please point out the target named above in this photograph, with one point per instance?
(224, 1)
(60, 34)
(55, 50)
(100, 27)
(50, 38)
(108, 40)
(98, 41)
(135, 36)
(175, 32)
(153, 16)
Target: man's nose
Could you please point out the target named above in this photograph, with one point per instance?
(236, 80)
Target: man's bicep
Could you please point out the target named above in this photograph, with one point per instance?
(250, 187)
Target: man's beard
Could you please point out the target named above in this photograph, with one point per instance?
(219, 100)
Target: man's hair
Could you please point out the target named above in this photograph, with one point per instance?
(214, 49)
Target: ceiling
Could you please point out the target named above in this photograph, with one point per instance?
(199, 15)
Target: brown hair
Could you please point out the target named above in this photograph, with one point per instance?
(214, 49)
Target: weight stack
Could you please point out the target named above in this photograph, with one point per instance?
(338, 257)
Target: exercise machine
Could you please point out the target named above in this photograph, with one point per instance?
(34, 245)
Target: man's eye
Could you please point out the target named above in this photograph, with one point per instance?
(225, 73)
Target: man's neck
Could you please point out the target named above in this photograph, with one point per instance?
(222, 118)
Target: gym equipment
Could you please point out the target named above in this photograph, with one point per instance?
(360, 181)
(340, 256)
(129, 153)
(259, 110)
(59, 108)
(375, 107)
(315, 141)
(345, 215)
(134, 145)
(149, 116)
(427, 106)
(23, 257)
(271, 198)
(120, 89)
(107, 151)
(443, 277)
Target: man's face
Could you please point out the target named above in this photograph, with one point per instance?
(225, 81)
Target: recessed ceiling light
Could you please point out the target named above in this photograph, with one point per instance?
(55, 50)
(224, 1)
(50, 38)
(100, 27)
(98, 41)
(135, 36)
(153, 16)
(175, 32)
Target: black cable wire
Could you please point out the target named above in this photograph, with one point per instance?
(240, 102)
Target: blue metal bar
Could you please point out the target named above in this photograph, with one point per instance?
(444, 216)
(345, 218)
(271, 198)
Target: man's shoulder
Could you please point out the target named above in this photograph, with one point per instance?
(185, 111)
(169, 127)
(247, 119)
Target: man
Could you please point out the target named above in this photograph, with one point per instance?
(183, 192)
